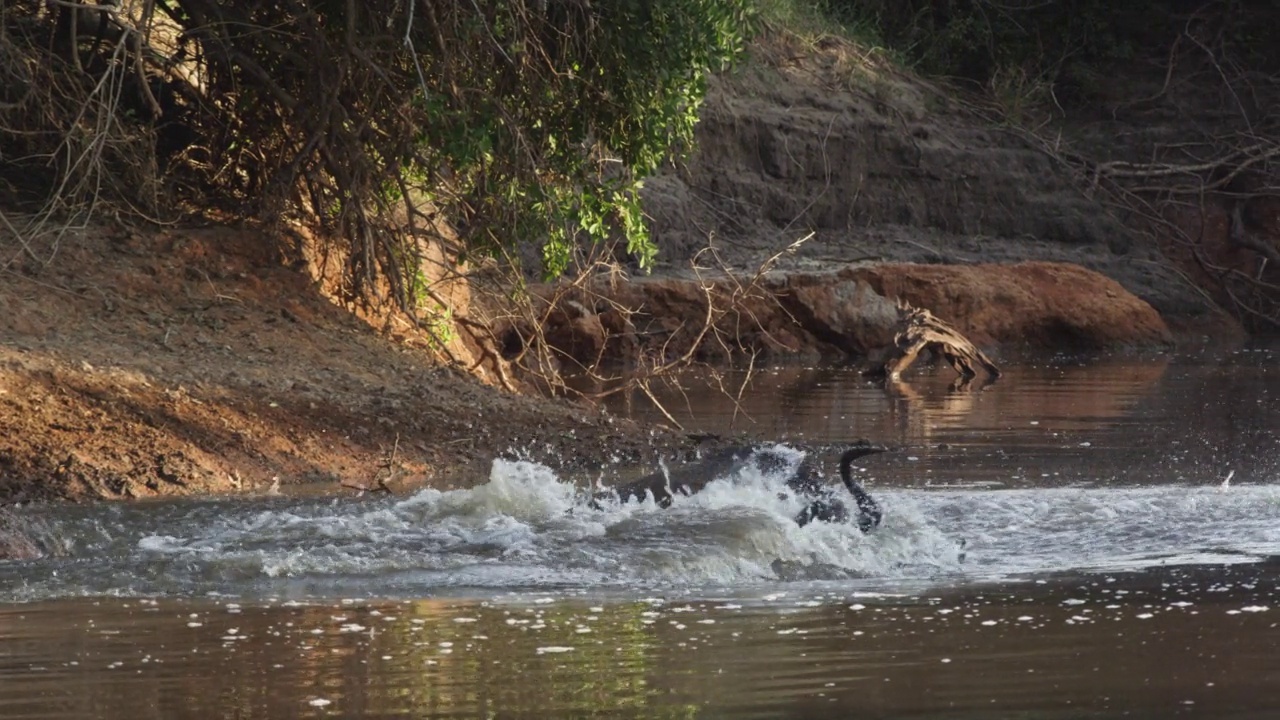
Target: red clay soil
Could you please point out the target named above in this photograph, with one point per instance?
(192, 361)
(851, 313)
(1040, 305)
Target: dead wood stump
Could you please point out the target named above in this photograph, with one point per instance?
(921, 329)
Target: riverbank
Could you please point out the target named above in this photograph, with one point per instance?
(192, 360)
(188, 361)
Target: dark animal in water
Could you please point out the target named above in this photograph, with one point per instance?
(824, 505)
(805, 480)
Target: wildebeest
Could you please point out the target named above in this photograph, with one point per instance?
(805, 480)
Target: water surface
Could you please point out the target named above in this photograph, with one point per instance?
(1064, 543)
(1113, 420)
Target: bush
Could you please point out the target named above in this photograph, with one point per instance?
(508, 120)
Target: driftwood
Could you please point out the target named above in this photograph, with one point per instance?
(922, 330)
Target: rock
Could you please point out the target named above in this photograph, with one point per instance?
(843, 311)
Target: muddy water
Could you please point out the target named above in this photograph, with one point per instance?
(1061, 544)
(1126, 420)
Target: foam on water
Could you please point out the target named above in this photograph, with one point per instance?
(527, 529)
(1043, 530)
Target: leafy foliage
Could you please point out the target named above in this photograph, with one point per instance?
(514, 120)
(508, 121)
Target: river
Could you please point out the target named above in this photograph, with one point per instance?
(1080, 539)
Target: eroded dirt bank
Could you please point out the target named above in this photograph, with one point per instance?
(186, 361)
(851, 313)
(880, 166)
(190, 361)
(895, 192)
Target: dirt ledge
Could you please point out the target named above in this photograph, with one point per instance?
(850, 313)
(870, 162)
(190, 361)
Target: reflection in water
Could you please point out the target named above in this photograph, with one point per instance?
(1153, 644)
(1123, 421)
(1072, 398)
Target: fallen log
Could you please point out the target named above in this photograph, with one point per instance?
(923, 330)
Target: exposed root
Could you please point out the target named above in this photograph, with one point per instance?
(565, 339)
(921, 331)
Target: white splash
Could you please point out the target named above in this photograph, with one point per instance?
(526, 529)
